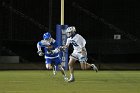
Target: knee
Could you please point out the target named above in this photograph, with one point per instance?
(70, 64)
(48, 66)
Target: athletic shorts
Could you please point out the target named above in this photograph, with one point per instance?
(56, 61)
(78, 56)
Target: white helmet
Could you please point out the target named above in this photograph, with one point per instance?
(70, 31)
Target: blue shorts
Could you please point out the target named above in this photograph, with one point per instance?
(56, 61)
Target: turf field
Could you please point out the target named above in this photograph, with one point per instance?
(42, 81)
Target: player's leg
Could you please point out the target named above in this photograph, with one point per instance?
(63, 72)
(85, 66)
(71, 68)
(50, 66)
(83, 61)
(54, 70)
(48, 63)
(93, 66)
(58, 63)
(53, 67)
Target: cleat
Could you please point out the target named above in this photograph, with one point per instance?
(94, 67)
(71, 80)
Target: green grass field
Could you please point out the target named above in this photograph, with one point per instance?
(42, 81)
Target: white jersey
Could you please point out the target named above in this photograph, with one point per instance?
(78, 42)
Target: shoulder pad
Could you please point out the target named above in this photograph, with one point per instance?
(45, 42)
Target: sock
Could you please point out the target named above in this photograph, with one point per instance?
(71, 76)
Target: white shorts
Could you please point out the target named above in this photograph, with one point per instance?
(78, 56)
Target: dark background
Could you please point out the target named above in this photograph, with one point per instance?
(22, 23)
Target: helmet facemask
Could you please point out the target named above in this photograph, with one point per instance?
(68, 34)
(70, 31)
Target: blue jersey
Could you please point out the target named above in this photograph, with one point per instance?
(48, 46)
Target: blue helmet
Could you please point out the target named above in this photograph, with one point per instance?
(46, 36)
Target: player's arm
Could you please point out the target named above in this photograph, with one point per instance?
(39, 45)
(82, 43)
(62, 48)
(57, 49)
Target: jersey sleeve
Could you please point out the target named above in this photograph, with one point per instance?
(82, 42)
(44, 42)
(39, 46)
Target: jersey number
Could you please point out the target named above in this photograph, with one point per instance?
(74, 43)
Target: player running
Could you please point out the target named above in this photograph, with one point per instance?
(79, 52)
(49, 44)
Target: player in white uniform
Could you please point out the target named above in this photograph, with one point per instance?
(79, 52)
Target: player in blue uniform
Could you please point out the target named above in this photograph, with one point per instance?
(49, 45)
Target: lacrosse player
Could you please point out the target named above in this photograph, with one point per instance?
(49, 44)
(79, 52)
